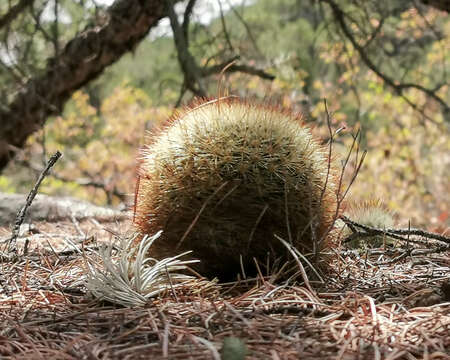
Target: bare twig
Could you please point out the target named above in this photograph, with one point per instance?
(247, 29)
(86, 181)
(393, 233)
(22, 212)
(247, 69)
(224, 27)
(330, 150)
(398, 87)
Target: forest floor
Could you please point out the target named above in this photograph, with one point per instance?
(375, 305)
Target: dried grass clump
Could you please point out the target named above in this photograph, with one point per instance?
(134, 278)
(225, 177)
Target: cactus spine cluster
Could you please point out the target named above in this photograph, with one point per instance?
(225, 176)
(372, 213)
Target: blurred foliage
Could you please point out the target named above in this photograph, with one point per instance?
(36, 34)
(408, 162)
(99, 145)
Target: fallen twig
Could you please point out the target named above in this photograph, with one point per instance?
(393, 233)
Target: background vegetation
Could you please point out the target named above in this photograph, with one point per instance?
(382, 66)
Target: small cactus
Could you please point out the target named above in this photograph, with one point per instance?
(225, 176)
(372, 213)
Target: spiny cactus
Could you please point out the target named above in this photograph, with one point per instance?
(372, 213)
(225, 176)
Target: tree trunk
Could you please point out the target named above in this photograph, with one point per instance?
(81, 60)
(53, 208)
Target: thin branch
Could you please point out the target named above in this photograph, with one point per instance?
(23, 211)
(247, 69)
(247, 28)
(224, 27)
(38, 26)
(55, 38)
(374, 33)
(193, 74)
(14, 12)
(399, 88)
(358, 160)
(443, 5)
(187, 62)
(81, 60)
(186, 19)
(393, 233)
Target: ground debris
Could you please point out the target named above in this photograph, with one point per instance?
(363, 310)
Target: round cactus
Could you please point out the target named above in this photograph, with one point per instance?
(372, 213)
(225, 176)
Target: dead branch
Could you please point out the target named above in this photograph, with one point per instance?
(21, 215)
(246, 69)
(224, 28)
(86, 181)
(398, 234)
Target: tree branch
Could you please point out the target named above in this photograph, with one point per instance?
(399, 88)
(374, 34)
(247, 69)
(443, 5)
(23, 211)
(187, 18)
(193, 74)
(82, 59)
(224, 28)
(192, 78)
(399, 234)
(87, 181)
(14, 12)
(247, 29)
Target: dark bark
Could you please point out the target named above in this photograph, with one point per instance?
(14, 11)
(443, 5)
(246, 69)
(193, 73)
(192, 76)
(82, 59)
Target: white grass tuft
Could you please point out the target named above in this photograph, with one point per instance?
(131, 277)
